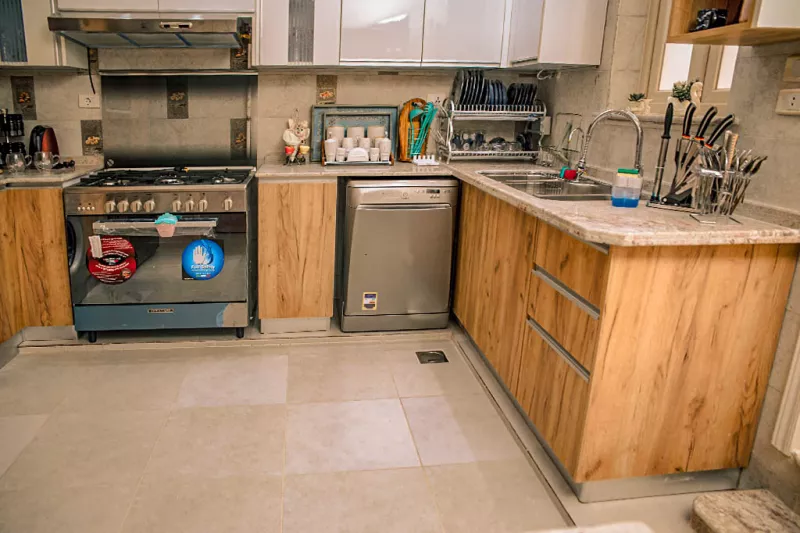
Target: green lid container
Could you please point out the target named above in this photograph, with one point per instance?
(628, 171)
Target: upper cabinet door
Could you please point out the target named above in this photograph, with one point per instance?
(108, 5)
(526, 31)
(208, 6)
(303, 32)
(464, 32)
(385, 31)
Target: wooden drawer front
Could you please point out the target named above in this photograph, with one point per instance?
(578, 265)
(571, 321)
(555, 397)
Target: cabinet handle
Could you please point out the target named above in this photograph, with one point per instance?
(565, 355)
(566, 292)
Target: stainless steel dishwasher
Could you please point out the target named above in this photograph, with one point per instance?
(398, 254)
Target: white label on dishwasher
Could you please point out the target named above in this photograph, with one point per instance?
(96, 245)
(369, 301)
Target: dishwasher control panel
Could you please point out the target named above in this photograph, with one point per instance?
(422, 194)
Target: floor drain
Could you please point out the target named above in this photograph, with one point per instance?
(431, 357)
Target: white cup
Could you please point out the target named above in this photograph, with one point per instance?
(336, 132)
(374, 132)
(348, 143)
(376, 142)
(356, 132)
(374, 154)
(331, 145)
(365, 143)
(385, 146)
(340, 154)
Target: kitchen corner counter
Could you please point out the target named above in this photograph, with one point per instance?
(597, 222)
(34, 178)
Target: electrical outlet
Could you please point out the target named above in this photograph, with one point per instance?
(788, 102)
(437, 99)
(89, 101)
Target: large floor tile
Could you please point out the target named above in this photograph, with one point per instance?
(86, 449)
(415, 379)
(97, 509)
(128, 387)
(39, 389)
(213, 505)
(389, 501)
(493, 497)
(459, 429)
(15, 433)
(332, 437)
(236, 380)
(221, 441)
(331, 375)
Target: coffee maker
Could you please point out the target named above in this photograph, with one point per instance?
(12, 134)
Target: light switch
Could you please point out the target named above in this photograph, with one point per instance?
(792, 69)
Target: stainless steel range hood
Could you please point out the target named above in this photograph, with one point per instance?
(153, 33)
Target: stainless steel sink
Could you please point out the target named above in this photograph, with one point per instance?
(547, 185)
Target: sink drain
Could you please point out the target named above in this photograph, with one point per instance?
(426, 358)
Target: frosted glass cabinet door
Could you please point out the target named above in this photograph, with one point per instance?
(382, 31)
(208, 6)
(464, 31)
(526, 30)
(108, 5)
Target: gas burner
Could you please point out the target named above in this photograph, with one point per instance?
(115, 182)
(216, 180)
(169, 180)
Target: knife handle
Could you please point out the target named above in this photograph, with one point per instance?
(668, 121)
(687, 120)
(706, 122)
(726, 123)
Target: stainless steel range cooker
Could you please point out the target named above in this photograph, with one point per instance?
(128, 272)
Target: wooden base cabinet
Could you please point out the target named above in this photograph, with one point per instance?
(629, 361)
(296, 249)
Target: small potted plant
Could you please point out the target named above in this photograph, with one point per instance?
(681, 95)
(639, 104)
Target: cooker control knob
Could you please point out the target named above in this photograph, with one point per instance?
(136, 206)
(110, 206)
(176, 205)
(149, 205)
(227, 204)
(122, 206)
(189, 205)
(202, 205)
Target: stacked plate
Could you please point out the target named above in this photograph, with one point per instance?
(471, 88)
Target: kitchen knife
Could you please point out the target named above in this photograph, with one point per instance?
(705, 123)
(662, 154)
(685, 140)
(724, 124)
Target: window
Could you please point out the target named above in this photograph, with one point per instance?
(669, 62)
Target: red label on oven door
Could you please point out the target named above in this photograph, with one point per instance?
(117, 262)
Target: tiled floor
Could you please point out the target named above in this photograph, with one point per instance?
(328, 437)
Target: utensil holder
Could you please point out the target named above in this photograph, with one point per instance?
(716, 194)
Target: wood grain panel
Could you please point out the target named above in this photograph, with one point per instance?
(10, 300)
(555, 398)
(576, 264)
(495, 256)
(571, 326)
(41, 257)
(297, 241)
(687, 338)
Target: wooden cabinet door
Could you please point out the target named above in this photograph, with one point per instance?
(382, 32)
(468, 32)
(40, 256)
(495, 258)
(10, 300)
(296, 249)
(554, 395)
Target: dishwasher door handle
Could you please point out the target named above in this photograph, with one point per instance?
(401, 207)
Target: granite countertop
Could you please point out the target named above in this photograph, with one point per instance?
(593, 221)
(57, 178)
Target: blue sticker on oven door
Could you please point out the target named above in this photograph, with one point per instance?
(203, 259)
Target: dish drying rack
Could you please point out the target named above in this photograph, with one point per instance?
(449, 114)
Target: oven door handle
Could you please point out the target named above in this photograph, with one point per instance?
(131, 227)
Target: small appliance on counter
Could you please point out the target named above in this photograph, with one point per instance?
(43, 139)
(127, 272)
(12, 132)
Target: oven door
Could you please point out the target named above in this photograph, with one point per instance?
(125, 260)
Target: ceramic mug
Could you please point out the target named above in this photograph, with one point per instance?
(374, 132)
(336, 132)
(385, 146)
(374, 154)
(331, 145)
(365, 143)
(356, 132)
(348, 143)
(341, 153)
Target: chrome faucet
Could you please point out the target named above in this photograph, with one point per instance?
(601, 117)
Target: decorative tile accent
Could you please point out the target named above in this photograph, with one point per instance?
(24, 93)
(92, 137)
(177, 97)
(238, 138)
(326, 89)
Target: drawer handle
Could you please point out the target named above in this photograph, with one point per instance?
(565, 355)
(566, 292)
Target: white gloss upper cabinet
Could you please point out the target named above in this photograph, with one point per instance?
(107, 5)
(43, 47)
(298, 33)
(382, 31)
(208, 6)
(526, 30)
(464, 32)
